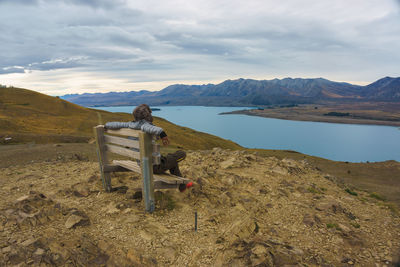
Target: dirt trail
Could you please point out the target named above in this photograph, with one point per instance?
(252, 211)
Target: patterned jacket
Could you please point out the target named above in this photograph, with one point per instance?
(142, 125)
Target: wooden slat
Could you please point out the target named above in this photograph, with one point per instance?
(124, 132)
(121, 141)
(122, 151)
(128, 164)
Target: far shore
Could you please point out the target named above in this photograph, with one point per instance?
(319, 114)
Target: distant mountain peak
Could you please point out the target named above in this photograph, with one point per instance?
(247, 92)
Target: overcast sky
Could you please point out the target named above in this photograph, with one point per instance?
(76, 46)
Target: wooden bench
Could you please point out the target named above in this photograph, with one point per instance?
(138, 147)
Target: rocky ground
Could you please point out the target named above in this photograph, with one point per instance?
(252, 211)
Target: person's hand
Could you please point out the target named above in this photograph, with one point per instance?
(165, 141)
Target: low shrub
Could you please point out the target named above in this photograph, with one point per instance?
(351, 192)
(377, 196)
(333, 225)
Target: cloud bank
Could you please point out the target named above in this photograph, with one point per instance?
(73, 46)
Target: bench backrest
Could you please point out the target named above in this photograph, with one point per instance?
(131, 143)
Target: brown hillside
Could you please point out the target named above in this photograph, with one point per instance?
(28, 116)
(252, 211)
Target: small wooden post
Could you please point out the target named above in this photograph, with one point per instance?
(146, 163)
(195, 221)
(101, 154)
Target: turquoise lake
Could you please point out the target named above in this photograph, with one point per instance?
(341, 142)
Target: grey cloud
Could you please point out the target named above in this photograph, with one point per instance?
(194, 44)
(90, 3)
(98, 3)
(158, 39)
(55, 64)
(21, 2)
(11, 70)
(44, 66)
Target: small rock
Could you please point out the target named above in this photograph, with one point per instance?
(111, 208)
(76, 220)
(59, 249)
(134, 257)
(6, 249)
(297, 251)
(103, 245)
(388, 258)
(279, 170)
(39, 252)
(344, 228)
(28, 242)
(22, 198)
(329, 206)
(137, 195)
(251, 157)
(81, 191)
(308, 220)
(229, 163)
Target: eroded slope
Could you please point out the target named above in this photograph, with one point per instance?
(251, 210)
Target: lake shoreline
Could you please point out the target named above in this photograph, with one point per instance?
(334, 141)
(312, 118)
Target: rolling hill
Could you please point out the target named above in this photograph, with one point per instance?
(28, 116)
(247, 92)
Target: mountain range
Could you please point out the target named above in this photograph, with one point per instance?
(248, 92)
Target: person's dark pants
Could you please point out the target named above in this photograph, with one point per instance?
(170, 162)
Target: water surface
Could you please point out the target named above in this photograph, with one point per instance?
(342, 142)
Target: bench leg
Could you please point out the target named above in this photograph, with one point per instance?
(101, 155)
(148, 188)
(105, 176)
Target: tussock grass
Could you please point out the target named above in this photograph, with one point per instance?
(377, 196)
(353, 193)
(333, 225)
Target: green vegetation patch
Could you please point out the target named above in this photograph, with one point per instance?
(353, 193)
(316, 190)
(164, 201)
(333, 225)
(377, 196)
(337, 114)
(355, 225)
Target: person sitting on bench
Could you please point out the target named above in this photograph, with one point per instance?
(143, 120)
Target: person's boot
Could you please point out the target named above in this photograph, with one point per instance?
(179, 155)
(172, 162)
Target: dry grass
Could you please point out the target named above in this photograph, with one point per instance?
(380, 177)
(28, 116)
